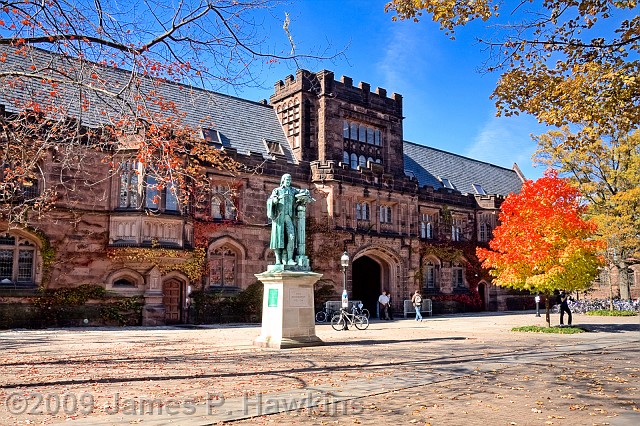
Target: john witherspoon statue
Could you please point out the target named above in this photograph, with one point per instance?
(286, 207)
(288, 311)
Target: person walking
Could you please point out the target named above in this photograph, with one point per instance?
(564, 307)
(383, 301)
(416, 299)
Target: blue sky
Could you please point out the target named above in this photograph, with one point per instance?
(446, 97)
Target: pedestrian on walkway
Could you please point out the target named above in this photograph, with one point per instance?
(383, 301)
(416, 299)
(564, 307)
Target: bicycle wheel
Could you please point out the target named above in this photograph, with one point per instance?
(361, 322)
(337, 322)
(365, 312)
(321, 316)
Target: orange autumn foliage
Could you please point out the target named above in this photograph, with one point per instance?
(543, 243)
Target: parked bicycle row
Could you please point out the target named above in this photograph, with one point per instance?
(332, 308)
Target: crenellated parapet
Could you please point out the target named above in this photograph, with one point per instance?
(373, 176)
(323, 83)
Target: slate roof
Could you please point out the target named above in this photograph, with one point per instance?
(242, 124)
(429, 164)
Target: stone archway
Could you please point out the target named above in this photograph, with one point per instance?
(376, 268)
(366, 282)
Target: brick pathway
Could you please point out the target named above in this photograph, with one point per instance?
(468, 369)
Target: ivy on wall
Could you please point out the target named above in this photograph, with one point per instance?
(464, 252)
(190, 262)
(331, 242)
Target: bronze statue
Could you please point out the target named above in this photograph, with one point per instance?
(286, 207)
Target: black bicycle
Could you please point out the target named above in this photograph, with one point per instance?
(325, 315)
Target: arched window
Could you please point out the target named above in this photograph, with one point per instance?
(222, 203)
(362, 133)
(370, 160)
(123, 282)
(345, 130)
(345, 157)
(354, 161)
(222, 266)
(17, 260)
(362, 161)
(216, 208)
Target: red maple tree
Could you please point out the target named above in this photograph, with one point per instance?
(543, 242)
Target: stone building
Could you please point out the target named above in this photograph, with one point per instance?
(408, 215)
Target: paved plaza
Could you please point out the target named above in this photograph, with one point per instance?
(448, 370)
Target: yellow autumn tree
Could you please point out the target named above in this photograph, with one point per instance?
(575, 66)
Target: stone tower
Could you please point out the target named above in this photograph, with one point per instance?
(332, 121)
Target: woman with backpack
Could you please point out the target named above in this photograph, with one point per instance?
(416, 299)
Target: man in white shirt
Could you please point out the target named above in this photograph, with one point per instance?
(383, 300)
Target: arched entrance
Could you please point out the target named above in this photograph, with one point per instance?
(366, 282)
(482, 289)
(172, 298)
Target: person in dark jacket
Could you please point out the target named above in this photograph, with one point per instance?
(564, 307)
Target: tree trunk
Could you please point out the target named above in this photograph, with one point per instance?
(548, 310)
(623, 281)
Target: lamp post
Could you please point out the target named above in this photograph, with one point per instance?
(344, 262)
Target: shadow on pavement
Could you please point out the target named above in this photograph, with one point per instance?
(611, 328)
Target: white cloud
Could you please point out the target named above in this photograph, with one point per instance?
(507, 140)
(402, 60)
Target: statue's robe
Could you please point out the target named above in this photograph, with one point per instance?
(276, 211)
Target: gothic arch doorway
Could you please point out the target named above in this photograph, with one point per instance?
(367, 282)
(482, 291)
(172, 298)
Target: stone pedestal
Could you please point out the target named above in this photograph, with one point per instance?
(288, 314)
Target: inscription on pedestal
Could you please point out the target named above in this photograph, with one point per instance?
(300, 298)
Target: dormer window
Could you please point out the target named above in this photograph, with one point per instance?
(211, 136)
(479, 189)
(447, 183)
(273, 147)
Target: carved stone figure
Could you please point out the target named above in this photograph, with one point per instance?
(286, 207)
